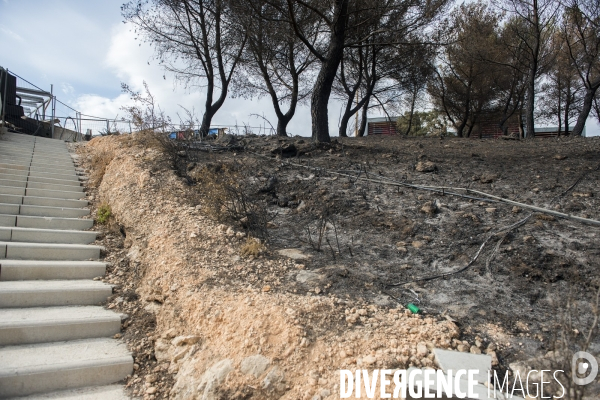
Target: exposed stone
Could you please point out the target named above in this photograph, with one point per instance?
(285, 151)
(422, 350)
(425, 166)
(583, 194)
(308, 277)
(368, 360)
(274, 379)
(429, 208)
(255, 365)
(213, 377)
(487, 178)
(462, 348)
(182, 340)
(294, 254)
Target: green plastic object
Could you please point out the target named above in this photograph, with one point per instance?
(413, 309)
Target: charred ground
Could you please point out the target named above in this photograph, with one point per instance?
(358, 241)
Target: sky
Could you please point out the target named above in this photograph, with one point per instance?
(85, 50)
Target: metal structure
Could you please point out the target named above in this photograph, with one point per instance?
(41, 108)
(45, 112)
(3, 73)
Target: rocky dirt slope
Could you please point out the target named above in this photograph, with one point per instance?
(211, 320)
(196, 335)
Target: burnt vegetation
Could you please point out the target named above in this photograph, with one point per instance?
(440, 65)
(489, 234)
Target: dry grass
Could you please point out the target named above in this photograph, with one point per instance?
(227, 197)
(99, 163)
(253, 247)
(104, 213)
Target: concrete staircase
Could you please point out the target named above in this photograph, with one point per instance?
(55, 340)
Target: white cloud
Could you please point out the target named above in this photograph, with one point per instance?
(592, 128)
(129, 62)
(99, 106)
(10, 33)
(67, 89)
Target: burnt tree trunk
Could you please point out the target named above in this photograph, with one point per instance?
(530, 105)
(588, 100)
(412, 113)
(208, 115)
(363, 121)
(329, 66)
(282, 124)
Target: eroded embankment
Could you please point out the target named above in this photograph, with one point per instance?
(199, 333)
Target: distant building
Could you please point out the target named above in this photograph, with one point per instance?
(485, 129)
(490, 128)
(381, 126)
(552, 131)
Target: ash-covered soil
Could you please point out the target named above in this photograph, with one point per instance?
(521, 283)
(347, 245)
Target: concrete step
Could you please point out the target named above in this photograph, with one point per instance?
(10, 171)
(25, 181)
(11, 199)
(9, 209)
(62, 156)
(8, 220)
(18, 182)
(32, 235)
(17, 161)
(62, 212)
(60, 174)
(25, 221)
(64, 182)
(57, 194)
(71, 176)
(49, 251)
(42, 163)
(12, 176)
(37, 179)
(42, 201)
(6, 165)
(54, 186)
(56, 164)
(38, 368)
(12, 143)
(16, 191)
(109, 392)
(22, 184)
(40, 211)
(53, 324)
(20, 270)
(18, 294)
(15, 149)
(54, 202)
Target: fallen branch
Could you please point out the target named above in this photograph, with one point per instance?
(444, 190)
(504, 230)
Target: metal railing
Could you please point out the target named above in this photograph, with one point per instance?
(3, 96)
(68, 123)
(65, 122)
